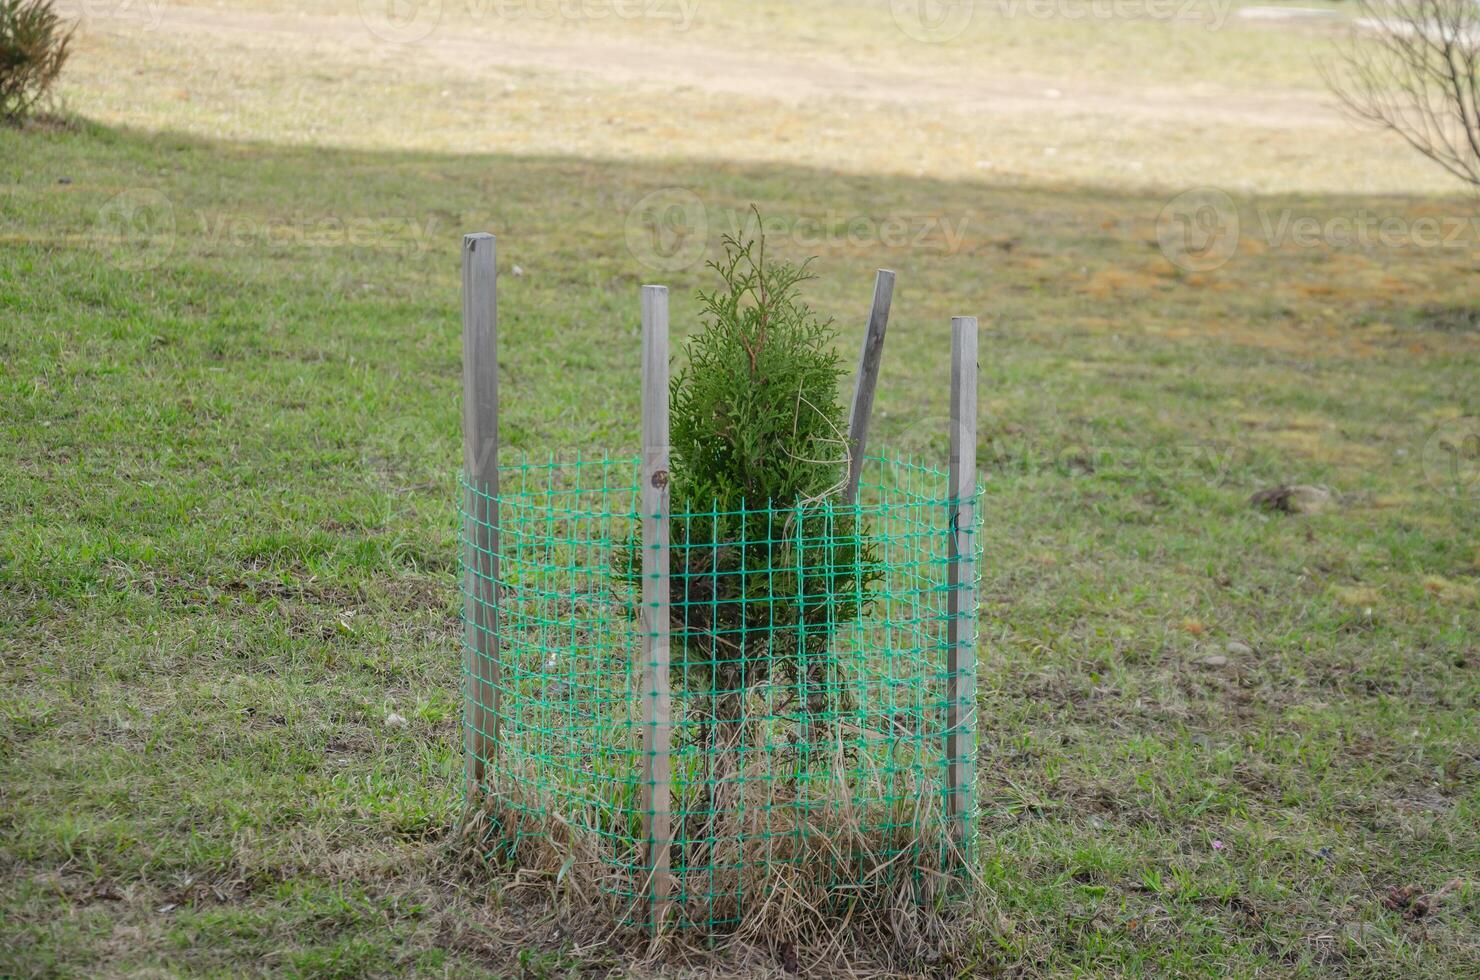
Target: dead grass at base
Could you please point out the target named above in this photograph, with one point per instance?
(833, 887)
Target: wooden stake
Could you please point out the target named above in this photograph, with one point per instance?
(480, 465)
(657, 718)
(961, 610)
(867, 380)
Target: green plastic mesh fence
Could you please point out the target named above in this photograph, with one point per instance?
(809, 691)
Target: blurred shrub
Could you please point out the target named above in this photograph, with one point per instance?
(33, 48)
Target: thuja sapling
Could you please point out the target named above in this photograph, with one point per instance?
(766, 560)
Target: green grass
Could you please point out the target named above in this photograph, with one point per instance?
(227, 551)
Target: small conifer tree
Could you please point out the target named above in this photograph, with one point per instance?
(768, 562)
(33, 48)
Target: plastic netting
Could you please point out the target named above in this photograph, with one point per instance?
(808, 674)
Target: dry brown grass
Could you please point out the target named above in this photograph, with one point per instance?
(836, 885)
(1018, 99)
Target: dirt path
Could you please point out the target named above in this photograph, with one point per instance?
(684, 63)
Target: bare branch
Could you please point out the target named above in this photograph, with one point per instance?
(1413, 68)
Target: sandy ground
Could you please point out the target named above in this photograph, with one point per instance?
(1247, 115)
(683, 62)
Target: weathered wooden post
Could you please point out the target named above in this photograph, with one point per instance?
(480, 467)
(867, 380)
(657, 718)
(961, 601)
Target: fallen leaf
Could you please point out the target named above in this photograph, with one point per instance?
(1399, 897)
(1413, 903)
(1295, 498)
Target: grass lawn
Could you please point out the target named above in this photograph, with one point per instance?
(1215, 740)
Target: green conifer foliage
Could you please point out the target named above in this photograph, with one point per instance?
(767, 560)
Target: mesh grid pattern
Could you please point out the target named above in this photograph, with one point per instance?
(802, 739)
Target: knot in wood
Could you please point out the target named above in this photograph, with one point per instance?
(660, 479)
